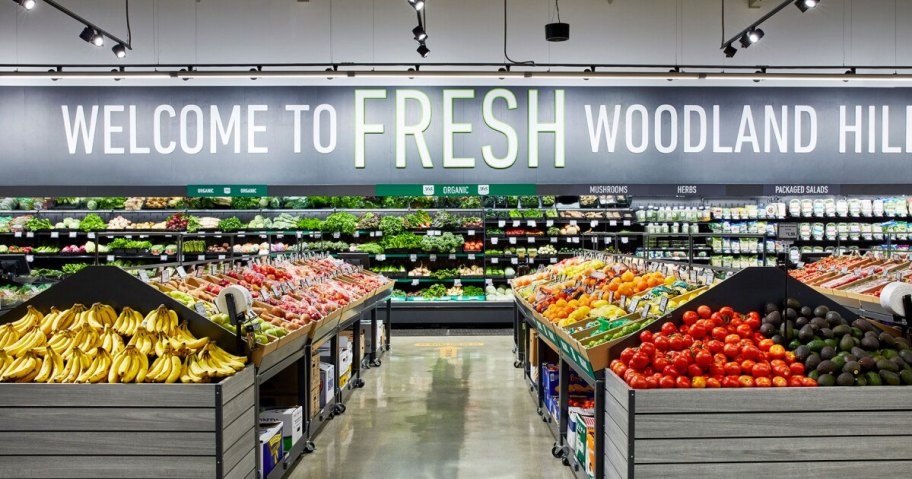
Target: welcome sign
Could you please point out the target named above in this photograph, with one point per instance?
(167, 136)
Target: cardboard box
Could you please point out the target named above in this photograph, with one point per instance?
(343, 379)
(327, 383)
(273, 453)
(346, 358)
(533, 348)
(585, 440)
(292, 420)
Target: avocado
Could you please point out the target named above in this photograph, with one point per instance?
(819, 323)
(826, 380)
(814, 375)
(862, 324)
(869, 343)
(851, 367)
(902, 343)
(861, 381)
(887, 339)
(828, 352)
(802, 352)
(816, 345)
(821, 311)
(792, 303)
(826, 367)
(801, 322)
(838, 363)
(806, 311)
(825, 333)
(841, 330)
(890, 377)
(867, 363)
(858, 352)
(887, 365)
(767, 330)
(849, 358)
(791, 314)
(906, 355)
(770, 308)
(857, 333)
(845, 379)
(812, 362)
(846, 343)
(873, 378)
(831, 342)
(906, 377)
(777, 339)
(787, 330)
(774, 318)
(898, 361)
(806, 334)
(794, 344)
(835, 319)
(889, 353)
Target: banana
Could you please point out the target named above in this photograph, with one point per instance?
(176, 370)
(196, 368)
(149, 321)
(196, 344)
(63, 320)
(235, 362)
(29, 321)
(143, 362)
(5, 360)
(116, 364)
(80, 314)
(47, 322)
(47, 367)
(103, 363)
(155, 370)
(74, 368)
(8, 335)
(21, 368)
(61, 341)
(33, 371)
(135, 320)
(30, 340)
(132, 369)
(173, 320)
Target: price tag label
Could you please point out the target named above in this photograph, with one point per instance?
(163, 257)
(576, 240)
(131, 236)
(143, 236)
(414, 282)
(494, 240)
(181, 272)
(91, 235)
(29, 234)
(471, 256)
(72, 234)
(531, 240)
(471, 232)
(553, 260)
(489, 281)
(201, 257)
(495, 260)
(512, 240)
(625, 239)
(17, 234)
(110, 258)
(221, 256)
(501, 223)
(298, 234)
(514, 260)
(569, 239)
(593, 223)
(379, 233)
(29, 258)
(457, 282)
(263, 293)
(612, 223)
(211, 268)
(626, 222)
(166, 275)
(663, 304)
(645, 312)
(516, 223)
(433, 257)
(200, 308)
(336, 235)
(634, 305)
(276, 292)
(531, 260)
(572, 222)
(549, 223)
(380, 257)
(531, 223)
(708, 277)
(623, 301)
(553, 239)
(144, 276)
(413, 257)
(55, 234)
(452, 256)
(611, 296)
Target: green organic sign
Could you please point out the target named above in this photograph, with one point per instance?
(226, 190)
(457, 190)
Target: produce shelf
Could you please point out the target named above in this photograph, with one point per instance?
(425, 279)
(427, 255)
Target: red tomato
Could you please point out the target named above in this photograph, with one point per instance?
(659, 362)
(670, 371)
(688, 341)
(669, 328)
(796, 381)
(719, 333)
(638, 382)
(698, 331)
(629, 374)
(689, 317)
(732, 351)
(626, 354)
(717, 319)
(732, 339)
(713, 383)
(754, 323)
(677, 342)
(749, 352)
(777, 351)
(790, 357)
(763, 382)
(720, 358)
(778, 362)
(783, 371)
(682, 382)
(809, 383)
(639, 361)
(732, 369)
(704, 311)
(684, 329)
(646, 337)
(727, 311)
(737, 321)
(703, 358)
(694, 370)
(662, 344)
(780, 382)
(698, 382)
(651, 383)
(681, 363)
(744, 330)
(797, 369)
(746, 381)
(731, 382)
(715, 346)
(667, 382)
(761, 370)
(766, 344)
(753, 315)
(648, 349)
(717, 369)
(620, 369)
(747, 365)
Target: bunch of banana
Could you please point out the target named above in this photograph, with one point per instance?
(52, 366)
(101, 315)
(212, 362)
(5, 360)
(98, 370)
(144, 341)
(128, 321)
(29, 321)
(111, 341)
(8, 335)
(82, 316)
(66, 319)
(161, 320)
(192, 372)
(47, 322)
(85, 338)
(165, 369)
(223, 357)
(76, 363)
(62, 341)
(184, 339)
(129, 365)
(23, 369)
(28, 341)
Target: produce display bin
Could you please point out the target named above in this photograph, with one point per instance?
(778, 432)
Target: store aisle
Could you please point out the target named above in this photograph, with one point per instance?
(438, 408)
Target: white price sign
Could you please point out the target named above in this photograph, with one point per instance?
(531, 223)
(501, 223)
(593, 223)
(494, 240)
(495, 260)
(471, 232)
(531, 240)
(512, 240)
(72, 234)
(55, 234)
(554, 239)
(516, 223)
(110, 258)
(29, 234)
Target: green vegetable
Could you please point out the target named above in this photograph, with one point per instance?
(310, 224)
(443, 219)
(435, 291)
(92, 222)
(470, 202)
(418, 219)
(370, 248)
(472, 291)
(193, 224)
(368, 221)
(391, 225)
(402, 241)
(37, 224)
(244, 203)
(72, 268)
(341, 223)
(230, 224)
(445, 243)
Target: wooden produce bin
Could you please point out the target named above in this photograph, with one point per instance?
(805, 433)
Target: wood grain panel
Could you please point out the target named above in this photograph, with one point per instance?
(874, 398)
(241, 403)
(106, 419)
(779, 470)
(112, 443)
(108, 395)
(88, 467)
(243, 468)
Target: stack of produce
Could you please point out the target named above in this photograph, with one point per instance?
(95, 345)
(862, 275)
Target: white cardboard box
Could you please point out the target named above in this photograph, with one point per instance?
(292, 420)
(270, 438)
(327, 381)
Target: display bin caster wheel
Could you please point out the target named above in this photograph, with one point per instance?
(309, 447)
(557, 451)
(338, 409)
(517, 364)
(565, 461)
(359, 383)
(331, 416)
(376, 363)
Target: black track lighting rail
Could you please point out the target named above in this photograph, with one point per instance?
(757, 23)
(80, 19)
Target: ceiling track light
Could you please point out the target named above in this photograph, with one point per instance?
(26, 4)
(558, 31)
(729, 50)
(805, 5)
(423, 50)
(419, 33)
(418, 5)
(751, 37)
(120, 50)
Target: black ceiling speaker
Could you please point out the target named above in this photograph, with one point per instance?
(557, 32)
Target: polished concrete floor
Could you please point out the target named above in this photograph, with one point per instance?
(438, 408)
